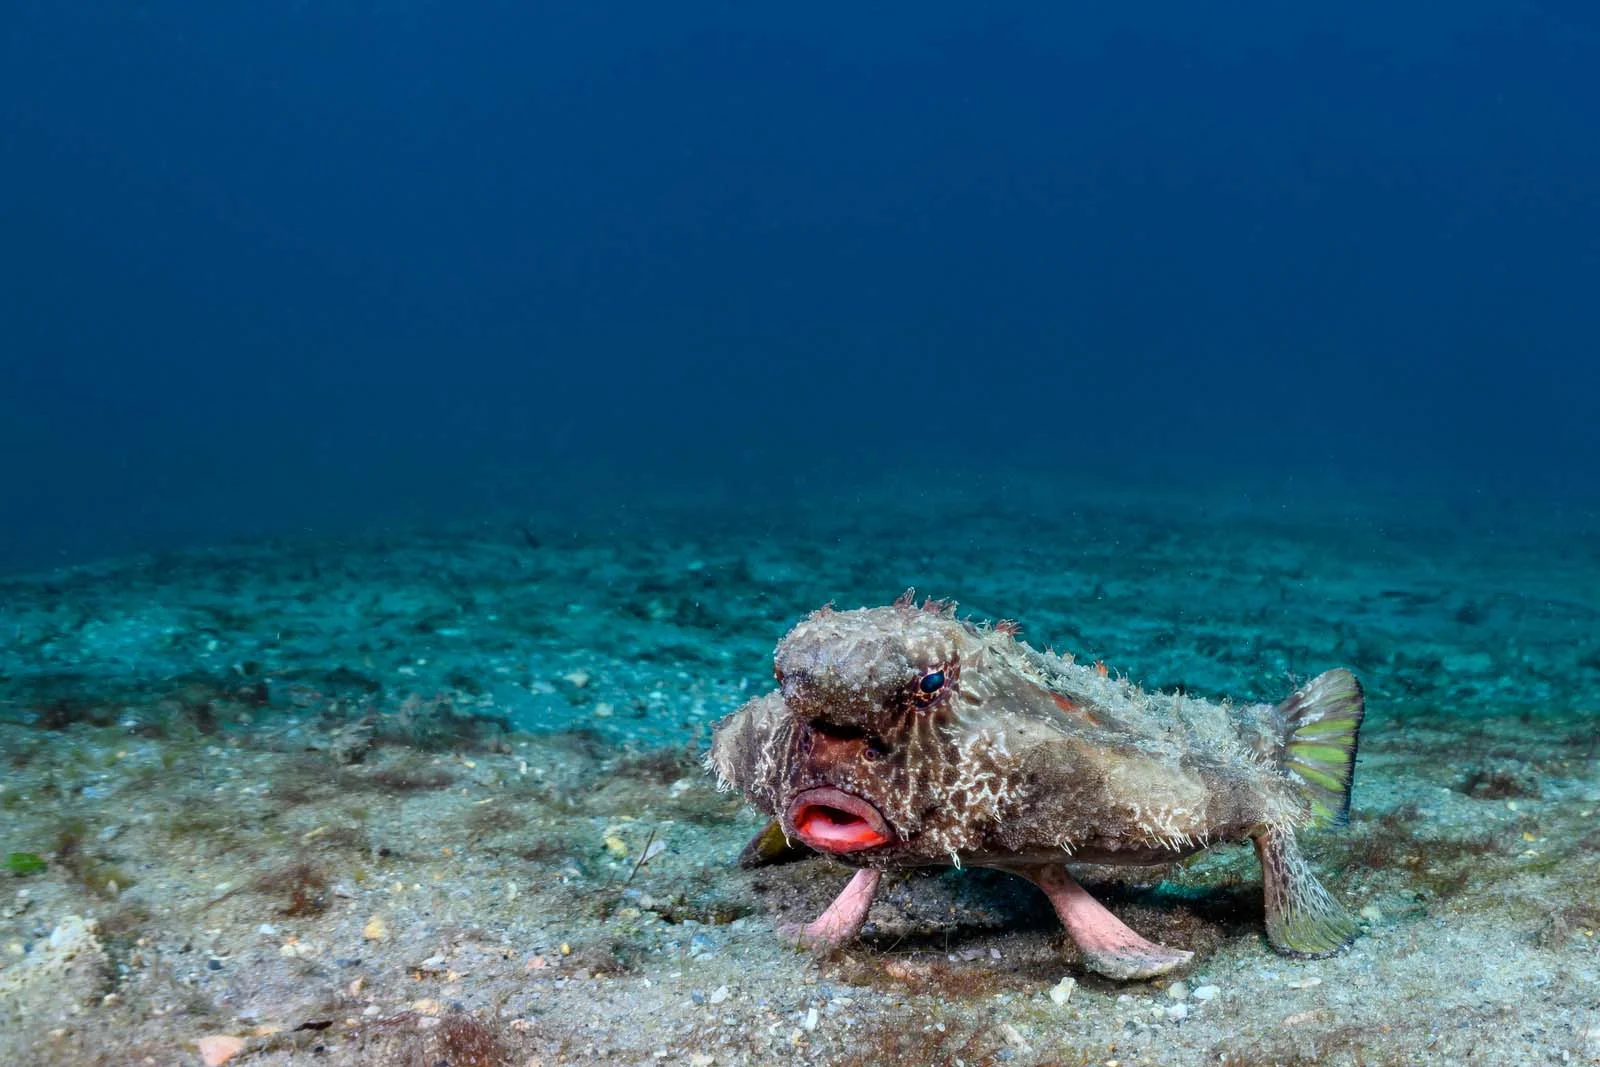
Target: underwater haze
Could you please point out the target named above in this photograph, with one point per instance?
(277, 266)
(430, 433)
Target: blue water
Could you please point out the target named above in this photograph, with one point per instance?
(267, 267)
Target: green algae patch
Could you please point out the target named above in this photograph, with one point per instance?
(22, 864)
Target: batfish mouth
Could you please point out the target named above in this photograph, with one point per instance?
(831, 820)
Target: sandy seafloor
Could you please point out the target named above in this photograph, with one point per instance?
(434, 797)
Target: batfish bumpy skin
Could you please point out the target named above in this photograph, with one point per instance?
(903, 736)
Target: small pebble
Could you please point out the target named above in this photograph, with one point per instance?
(1371, 913)
(1178, 1012)
(1205, 992)
(719, 994)
(218, 1049)
(810, 1022)
(1305, 983)
(1061, 992)
(1178, 991)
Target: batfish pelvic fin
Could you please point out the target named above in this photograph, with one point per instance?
(771, 847)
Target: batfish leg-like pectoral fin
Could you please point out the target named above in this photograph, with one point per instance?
(843, 919)
(1303, 919)
(1108, 946)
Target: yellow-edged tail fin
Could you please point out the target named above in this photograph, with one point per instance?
(1322, 720)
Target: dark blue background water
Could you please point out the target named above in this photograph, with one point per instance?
(271, 265)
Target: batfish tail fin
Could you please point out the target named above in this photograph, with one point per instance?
(1322, 720)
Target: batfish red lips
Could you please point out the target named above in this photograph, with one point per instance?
(831, 820)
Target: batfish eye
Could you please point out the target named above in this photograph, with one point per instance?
(931, 683)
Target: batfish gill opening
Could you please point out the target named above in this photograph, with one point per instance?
(831, 820)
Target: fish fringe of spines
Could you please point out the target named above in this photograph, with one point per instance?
(1158, 830)
(709, 762)
(1172, 842)
(943, 608)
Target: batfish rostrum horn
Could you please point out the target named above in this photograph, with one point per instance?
(905, 736)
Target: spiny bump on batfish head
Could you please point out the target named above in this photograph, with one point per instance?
(870, 669)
